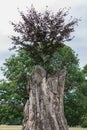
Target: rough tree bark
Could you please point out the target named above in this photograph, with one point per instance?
(44, 110)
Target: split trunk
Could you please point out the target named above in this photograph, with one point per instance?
(45, 110)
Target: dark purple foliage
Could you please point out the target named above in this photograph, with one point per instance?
(43, 33)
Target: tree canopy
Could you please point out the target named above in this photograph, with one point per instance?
(41, 34)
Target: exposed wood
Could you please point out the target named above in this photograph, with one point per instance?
(44, 110)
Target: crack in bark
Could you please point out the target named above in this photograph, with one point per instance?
(44, 110)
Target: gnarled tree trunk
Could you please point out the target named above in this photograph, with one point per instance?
(44, 110)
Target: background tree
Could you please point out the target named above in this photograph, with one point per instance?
(82, 93)
(76, 101)
(17, 69)
(10, 104)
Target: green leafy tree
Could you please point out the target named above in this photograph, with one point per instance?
(10, 111)
(65, 58)
(18, 68)
(76, 101)
(82, 93)
(13, 92)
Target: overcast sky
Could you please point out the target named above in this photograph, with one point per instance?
(9, 12)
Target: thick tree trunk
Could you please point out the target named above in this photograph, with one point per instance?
(44, 110)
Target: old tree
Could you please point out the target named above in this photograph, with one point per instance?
(42, 34)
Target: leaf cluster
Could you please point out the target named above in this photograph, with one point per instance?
(41, 34)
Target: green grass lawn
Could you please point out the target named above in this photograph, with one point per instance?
(9, 127)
